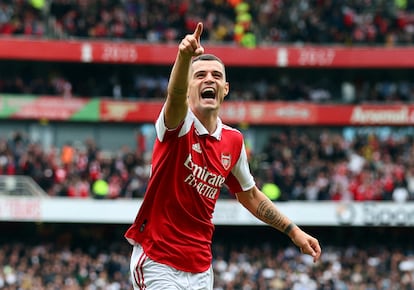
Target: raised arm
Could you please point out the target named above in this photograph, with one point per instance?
(176, 104)
(264, 209)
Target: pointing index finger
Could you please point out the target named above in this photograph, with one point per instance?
(198, 31)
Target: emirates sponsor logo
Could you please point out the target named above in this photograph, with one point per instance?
(380, 116)
(205, 182)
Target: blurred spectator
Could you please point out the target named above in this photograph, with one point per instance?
(100, 189)
(93, 257)
(345, 22)
(318, 164)
(248, 84)
(263, 22)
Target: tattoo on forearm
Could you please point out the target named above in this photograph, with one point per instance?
(270, 215)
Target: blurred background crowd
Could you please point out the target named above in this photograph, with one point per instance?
(263, 23)
(303, 164)
(295, 164)
(90, 258)
(144, 83)
(322, 165)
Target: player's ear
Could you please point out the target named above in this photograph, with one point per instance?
(226, 89)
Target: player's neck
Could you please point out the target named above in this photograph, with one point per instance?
(209, 120)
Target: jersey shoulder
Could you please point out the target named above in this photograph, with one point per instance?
(232, 135)
(231, 129)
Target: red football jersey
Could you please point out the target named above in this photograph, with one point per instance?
(189, 166)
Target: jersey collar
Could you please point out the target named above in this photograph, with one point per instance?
(201, 130)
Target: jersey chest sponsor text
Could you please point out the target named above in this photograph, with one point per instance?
(205, 182)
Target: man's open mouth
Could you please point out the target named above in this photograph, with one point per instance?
(208, 93)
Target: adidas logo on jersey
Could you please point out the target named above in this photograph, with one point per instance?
(196, 147)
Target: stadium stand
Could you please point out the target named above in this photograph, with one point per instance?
(339, 22)
(364, 159)
(330, 167)
(254, 84)
(322, 22)
(77, 256)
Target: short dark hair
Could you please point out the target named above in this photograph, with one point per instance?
(207, 57)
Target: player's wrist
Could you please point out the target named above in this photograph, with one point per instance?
(289, 229)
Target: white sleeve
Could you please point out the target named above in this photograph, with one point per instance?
(160, 127)
(241, 171)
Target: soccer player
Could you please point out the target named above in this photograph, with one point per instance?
(194, 155)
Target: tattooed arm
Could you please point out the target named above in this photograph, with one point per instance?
(264, 209)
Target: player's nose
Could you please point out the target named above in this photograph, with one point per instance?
(209, 77)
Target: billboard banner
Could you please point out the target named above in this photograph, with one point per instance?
(227, 212)
(30, 107)
(164, 54)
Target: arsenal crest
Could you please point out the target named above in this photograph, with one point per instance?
(226, 160)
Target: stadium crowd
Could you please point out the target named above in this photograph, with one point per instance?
(307, 165)
(143, 83)
(268, 22)
(73, 171)
(273, 22)
(67, 261)
(318, 164)
(326, 165)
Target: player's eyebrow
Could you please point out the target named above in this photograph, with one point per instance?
(214, 72)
